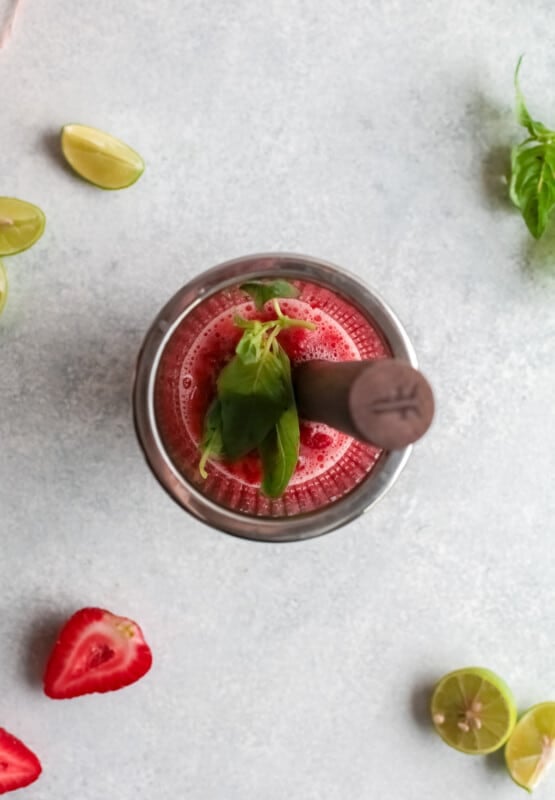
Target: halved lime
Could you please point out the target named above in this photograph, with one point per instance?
(473, 710)
(21, 225)
(100, 158)
(530, 751)
(3, 287)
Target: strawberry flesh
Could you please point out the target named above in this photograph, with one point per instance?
(19, 766)
(96, 651)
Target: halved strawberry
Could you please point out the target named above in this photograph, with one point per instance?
(19, 766)
(96, 652)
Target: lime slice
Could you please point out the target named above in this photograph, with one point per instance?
(3, 287)
(21, 225)
(100, 158)
(531, 749)
(473, 710)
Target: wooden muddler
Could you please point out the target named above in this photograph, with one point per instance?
(385, 402)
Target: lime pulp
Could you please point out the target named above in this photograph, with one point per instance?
(530, 751)
(21, 225)
(100, 158)
(473, 710)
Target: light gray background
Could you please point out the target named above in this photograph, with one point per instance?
(371, 134)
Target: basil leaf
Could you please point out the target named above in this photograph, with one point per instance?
(522, 115)
(212, 443)
(256, 403)
(536, 129)
(286, 367)
(253, 396)
(261, 291)
(533, 184)
(280, 449)
(251, 344)
(280, 452)
(532, 187)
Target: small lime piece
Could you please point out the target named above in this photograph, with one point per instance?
(530, 751)
(3, 287)
(473, 710)
(21, 225)
(100, 158)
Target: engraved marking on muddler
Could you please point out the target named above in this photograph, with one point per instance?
(403, 403)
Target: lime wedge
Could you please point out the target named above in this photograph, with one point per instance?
(100, 158)
(3, 287)
(21, 225)
(531, 749)
(473, 710)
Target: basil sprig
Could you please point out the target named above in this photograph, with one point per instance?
(262, 291)
(533, 168)
(255, 405)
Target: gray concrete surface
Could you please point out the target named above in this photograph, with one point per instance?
(372, 134)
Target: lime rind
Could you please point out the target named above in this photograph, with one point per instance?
(99, 158)
(473, 710)
(21, 225)
(530, 750)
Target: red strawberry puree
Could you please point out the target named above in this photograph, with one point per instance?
(330, 463)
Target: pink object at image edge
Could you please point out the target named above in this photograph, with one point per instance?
(7, 34)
